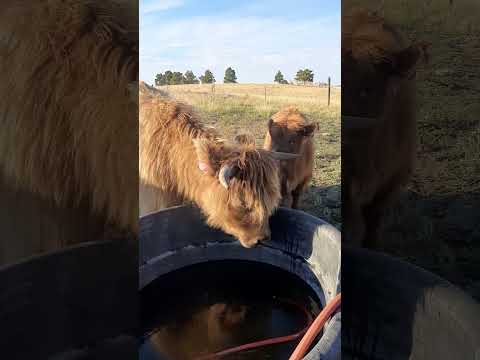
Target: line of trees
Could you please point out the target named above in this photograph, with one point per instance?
(176, 78)
(303, 75)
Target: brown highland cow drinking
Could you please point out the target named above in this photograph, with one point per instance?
(236, 185)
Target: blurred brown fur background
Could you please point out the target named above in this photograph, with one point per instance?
(68, 114)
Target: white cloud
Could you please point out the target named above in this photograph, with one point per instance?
(151, 6)
(255, 47)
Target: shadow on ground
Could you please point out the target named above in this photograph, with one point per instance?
(440, 234)
(324, 203)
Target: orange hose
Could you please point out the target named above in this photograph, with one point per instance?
(311, 332)
(261, 343)
(316, 327)
(256, 344)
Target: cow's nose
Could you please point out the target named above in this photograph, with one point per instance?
(249, 243)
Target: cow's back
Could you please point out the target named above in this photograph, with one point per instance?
(166, 151)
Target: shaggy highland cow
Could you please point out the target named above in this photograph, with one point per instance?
(378, 122)
(289, 131)
(236, 185)
(68, 169)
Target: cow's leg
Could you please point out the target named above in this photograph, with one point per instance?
(353, 222)
(353, 229)
(298, 191)
(286, 195)
(374, 215)
(375, 212)
(287, 200)
(296, 198)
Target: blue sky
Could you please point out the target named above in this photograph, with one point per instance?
(256, 38)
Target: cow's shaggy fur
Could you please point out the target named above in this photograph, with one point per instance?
(289, 131)
(180, 158)
(378, 66)
(68, 118)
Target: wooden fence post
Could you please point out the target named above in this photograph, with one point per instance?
(329, 91)
(213, 93)
(265, 96)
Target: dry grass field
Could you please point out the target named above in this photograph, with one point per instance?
(240, 108)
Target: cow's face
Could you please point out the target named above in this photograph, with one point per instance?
(248, 224)
(377, 64)
(288, 139)
(369, 81)
(244, 188)
(364, 88)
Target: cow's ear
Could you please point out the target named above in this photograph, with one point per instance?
(308, 130)
(273, 129)
(270, 125)
(405, 61)
(208, 155)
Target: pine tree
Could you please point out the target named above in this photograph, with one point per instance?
(208, 78)
(304, 75)
(190, 78)
(159, 80)
(230, 76)
(168, 77)
(279, 78)
(177, 78)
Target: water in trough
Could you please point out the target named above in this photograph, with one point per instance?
(212, 306)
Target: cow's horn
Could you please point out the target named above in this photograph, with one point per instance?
(283, 156)
(225, 175)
